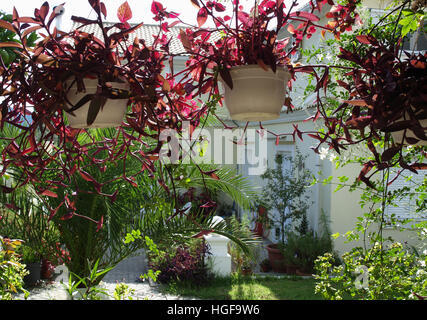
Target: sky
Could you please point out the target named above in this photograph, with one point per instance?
(141, 9)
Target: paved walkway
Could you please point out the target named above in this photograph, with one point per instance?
(128, 272)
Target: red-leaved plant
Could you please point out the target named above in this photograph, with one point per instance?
(388, 94)
(251, 38)
(34, 89)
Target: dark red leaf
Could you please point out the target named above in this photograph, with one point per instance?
(226, 77)
(44, 9)
(95, 106)
(219, 7)
(359, 123)
(389, 153)
(398, 126)
(304, 14)
(124, 13)
(202, 16)
(49, 194)
(82, 20)
(366, 39)
(54, 211)
(195, 3)
(184, 40)
(202, 233)
(7, 25)
(156, 7)
(86, 176)
(404, 165)
(96, 5)
(104, 10)
(68, 215)
(99, 224)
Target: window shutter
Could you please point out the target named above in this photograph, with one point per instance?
(406, 207)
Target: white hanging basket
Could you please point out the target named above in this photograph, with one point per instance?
(398, 135)
(111, 115)
(257, 95)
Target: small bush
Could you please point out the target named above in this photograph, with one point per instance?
(303, 250)
(183, 262)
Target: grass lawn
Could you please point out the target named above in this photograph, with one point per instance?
(247, 288)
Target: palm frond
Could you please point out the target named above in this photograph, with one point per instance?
(234, 185)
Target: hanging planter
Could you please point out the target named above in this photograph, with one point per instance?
(257, 94)
(409, 135)
(110, 115)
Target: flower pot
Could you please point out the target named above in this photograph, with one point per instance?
(111, 115)
(34, 270)
(257, 95)
(276, 258)
(397, 135)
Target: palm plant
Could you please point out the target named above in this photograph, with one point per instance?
(102, 192)
(164, 222)
(142, 202)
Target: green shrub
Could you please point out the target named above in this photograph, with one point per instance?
(12, 272)
(303, 250)
(377, 273)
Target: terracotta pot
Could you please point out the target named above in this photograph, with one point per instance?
(276, 258)
(257, 95)
(111, 115)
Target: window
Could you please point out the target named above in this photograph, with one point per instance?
(406, 205)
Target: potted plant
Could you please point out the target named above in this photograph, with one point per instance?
(247, 54)
(39, 98)
(91, 80)
(286, 195)
(32, 261)
(78, 73)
